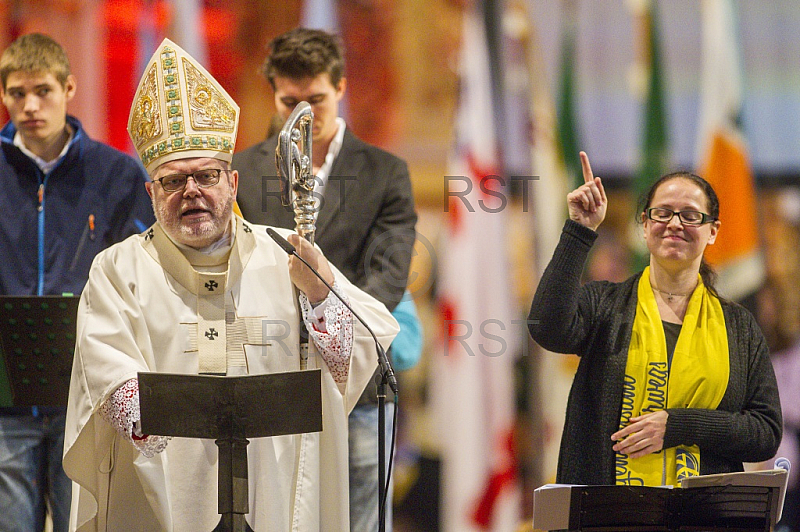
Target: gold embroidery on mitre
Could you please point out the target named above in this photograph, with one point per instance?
(172, 94)
(181, 111)
(146, 121)
(208, 109)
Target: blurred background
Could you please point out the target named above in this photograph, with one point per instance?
(489, 102)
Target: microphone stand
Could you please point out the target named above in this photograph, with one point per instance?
(387, 377)
(382, 486)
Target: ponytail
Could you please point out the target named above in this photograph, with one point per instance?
(709, 277)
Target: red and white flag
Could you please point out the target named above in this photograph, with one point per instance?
(555, 371)
(473, 375)
(722, 156)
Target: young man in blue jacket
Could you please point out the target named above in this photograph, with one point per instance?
(64, 198)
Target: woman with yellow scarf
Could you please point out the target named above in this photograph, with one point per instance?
(673, 380)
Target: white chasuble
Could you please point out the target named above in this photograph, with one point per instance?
(144, 309)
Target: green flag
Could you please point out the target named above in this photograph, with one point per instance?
(655, 155)
(568, 140)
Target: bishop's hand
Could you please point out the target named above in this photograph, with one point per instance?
(303, 278)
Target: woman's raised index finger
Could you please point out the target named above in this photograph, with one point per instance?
(588, 176)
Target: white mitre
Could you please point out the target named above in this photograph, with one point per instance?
(180, 111)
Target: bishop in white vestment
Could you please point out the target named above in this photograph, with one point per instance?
(203, 291)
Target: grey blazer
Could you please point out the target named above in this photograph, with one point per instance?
(366, 221)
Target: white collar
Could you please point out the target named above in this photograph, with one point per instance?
(44, 166)
(333, 151)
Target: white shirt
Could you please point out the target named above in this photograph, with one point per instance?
(333, 151)
(45, 166)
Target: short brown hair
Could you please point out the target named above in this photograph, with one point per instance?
(304, 53)
(34, 52)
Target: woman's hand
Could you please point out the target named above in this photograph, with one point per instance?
(643, 435)
(587, 204)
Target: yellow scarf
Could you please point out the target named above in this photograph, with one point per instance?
(697, 378)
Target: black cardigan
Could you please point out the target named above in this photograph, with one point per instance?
(595, 322)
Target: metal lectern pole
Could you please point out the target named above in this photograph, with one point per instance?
(233, 495)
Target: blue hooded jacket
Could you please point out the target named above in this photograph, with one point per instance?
(53, 225)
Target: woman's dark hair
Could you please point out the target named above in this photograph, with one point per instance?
(707, 273)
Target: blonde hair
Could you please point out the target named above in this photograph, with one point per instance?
(34, 52)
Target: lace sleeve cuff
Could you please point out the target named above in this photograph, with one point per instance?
(332, 332)
(121, 411)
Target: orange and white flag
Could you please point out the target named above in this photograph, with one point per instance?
(723, 161)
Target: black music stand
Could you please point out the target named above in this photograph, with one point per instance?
(736, 502)
(38, 341)
(230, 410)
(753, 484)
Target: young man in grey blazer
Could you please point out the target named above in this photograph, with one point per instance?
(365, 224)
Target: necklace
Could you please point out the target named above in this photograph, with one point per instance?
(670, 295)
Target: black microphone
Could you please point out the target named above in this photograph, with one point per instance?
(383, 360)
